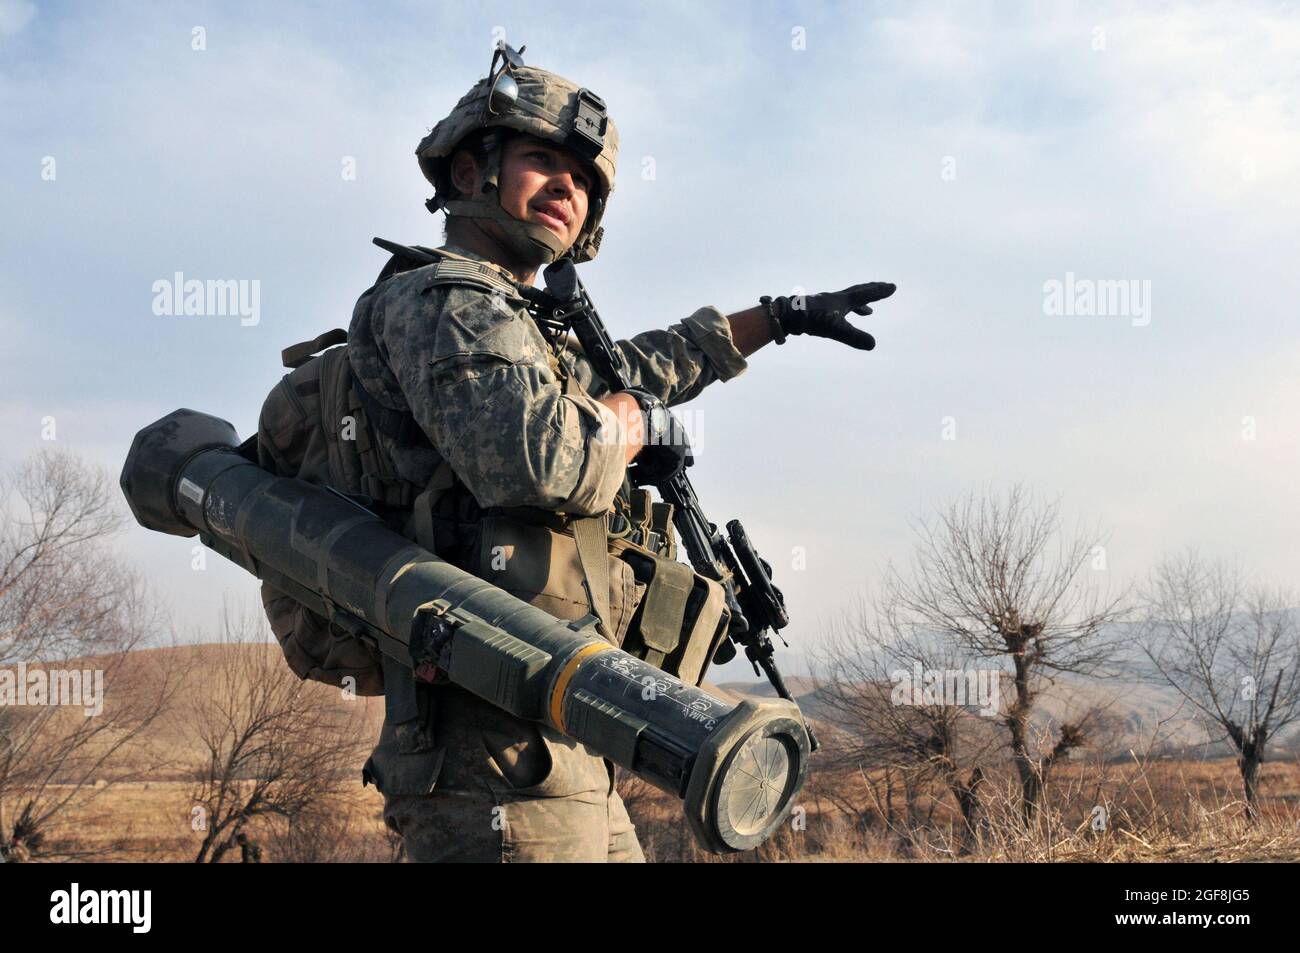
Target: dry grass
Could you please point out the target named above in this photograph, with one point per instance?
(1154, 810)
(1168, 810)
(153, 821)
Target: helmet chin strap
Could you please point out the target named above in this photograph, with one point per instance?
(529, 242)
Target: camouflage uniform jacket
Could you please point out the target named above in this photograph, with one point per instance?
(473, 369)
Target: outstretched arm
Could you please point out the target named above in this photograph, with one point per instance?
(677, 363)
(750, 330)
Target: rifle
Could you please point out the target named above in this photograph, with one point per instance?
(757, 606)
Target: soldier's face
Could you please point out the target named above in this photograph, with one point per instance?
(540, 182)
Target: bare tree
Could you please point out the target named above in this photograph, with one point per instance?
(1231, 650)
(1002, 578)
(857, 671)
(273, 745)
(70, 616)
(334, 828)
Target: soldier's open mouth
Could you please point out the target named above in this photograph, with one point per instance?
(553, 223)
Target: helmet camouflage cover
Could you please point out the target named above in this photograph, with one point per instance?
(542, 104)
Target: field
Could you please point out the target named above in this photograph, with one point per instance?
(1129, 808)
(152, 821)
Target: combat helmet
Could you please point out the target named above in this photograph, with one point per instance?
(533, 101)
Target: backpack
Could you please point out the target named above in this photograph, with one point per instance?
(299, 435)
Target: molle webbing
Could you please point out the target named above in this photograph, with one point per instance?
(358, 450)
(644, 522)
(334, 405)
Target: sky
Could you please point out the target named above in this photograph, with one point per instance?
(991, 159)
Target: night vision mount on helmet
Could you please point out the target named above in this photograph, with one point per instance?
(523, 99)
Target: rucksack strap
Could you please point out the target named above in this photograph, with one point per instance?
(248, 449)
(451, 267)
(591, 533)
(430, 531)
(296, 355)
(400, 426)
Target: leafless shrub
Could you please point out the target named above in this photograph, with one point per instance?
(274, 746)
(69, 610)
(919, 742)
(1232, 651)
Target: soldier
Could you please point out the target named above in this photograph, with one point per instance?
(491, 443)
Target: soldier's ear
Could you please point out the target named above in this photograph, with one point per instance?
(465, 172)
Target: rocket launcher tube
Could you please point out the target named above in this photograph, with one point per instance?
(737, 767)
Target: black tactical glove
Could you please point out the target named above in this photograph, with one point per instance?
(824, 315)
(665, 451)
